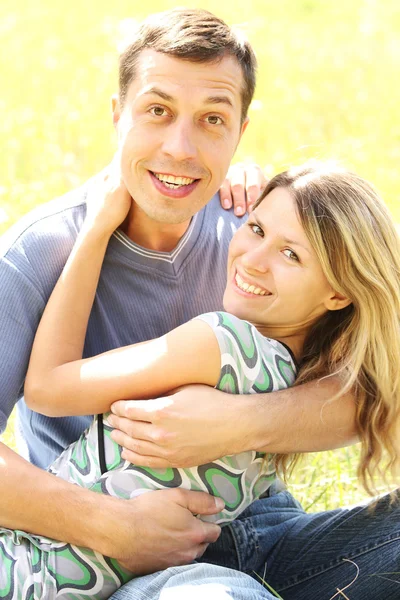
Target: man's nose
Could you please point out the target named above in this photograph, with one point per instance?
(180, 141)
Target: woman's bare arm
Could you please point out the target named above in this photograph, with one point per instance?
(59, 382)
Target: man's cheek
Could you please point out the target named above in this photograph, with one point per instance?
(125, 128)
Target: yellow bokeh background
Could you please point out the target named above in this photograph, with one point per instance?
(327, 87)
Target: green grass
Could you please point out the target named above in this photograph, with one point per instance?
(327, 87)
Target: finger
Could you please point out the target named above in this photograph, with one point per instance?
(140, 410)
(138, 446)
(225, 194)
(131, 409)
(115, 171)
(255, 182)
(237, 177)
(211, 532)
(150, 462)
(124, 424)
(201, 549)
(140, 430)
(200, 503)
(115, 164)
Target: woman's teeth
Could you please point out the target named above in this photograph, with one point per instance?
(247, 287)
(173, 182)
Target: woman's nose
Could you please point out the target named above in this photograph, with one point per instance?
(257, 260)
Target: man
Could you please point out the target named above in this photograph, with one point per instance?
(186, 83)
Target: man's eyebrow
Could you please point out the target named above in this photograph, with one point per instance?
(157, 92)
(219, 100)
(210, 100)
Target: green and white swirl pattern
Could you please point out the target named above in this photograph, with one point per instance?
(35, 567)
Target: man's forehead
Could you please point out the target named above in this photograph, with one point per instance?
(155, 70)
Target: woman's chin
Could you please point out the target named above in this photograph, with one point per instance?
(234, 308)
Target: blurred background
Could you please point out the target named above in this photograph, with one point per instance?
(327, 88)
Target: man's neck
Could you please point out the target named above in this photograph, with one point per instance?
(141, 229)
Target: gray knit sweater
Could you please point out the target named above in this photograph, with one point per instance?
(141, 295)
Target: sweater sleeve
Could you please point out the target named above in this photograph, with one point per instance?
(21, 306)
(32, 255)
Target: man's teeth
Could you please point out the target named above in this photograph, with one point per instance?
(247, 287)
(173, 182)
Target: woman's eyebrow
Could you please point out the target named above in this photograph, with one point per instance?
(295, 243)
(284, 239)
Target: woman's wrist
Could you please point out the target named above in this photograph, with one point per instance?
(97, 230)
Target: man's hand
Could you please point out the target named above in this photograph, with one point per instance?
(193, 426)
(158, 529)
(242, 186)
(150, 532)
(198, 424)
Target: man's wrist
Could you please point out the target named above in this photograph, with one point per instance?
(259, 424)
(247, 417)
(115, 528)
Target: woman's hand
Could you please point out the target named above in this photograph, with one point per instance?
(109, 202)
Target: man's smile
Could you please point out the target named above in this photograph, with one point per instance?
(173, 181)
(173, 186)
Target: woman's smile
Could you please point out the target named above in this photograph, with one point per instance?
(250, 289)
(275, 280)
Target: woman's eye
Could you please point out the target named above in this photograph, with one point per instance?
(158, 111)
(256, 229)
(290, 254)
(214, 120)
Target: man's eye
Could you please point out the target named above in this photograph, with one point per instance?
(214, 120)
(158, 111)
(290, 254)
(256, 229)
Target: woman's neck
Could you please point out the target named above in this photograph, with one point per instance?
(294, 339)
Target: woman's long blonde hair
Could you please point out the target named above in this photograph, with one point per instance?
(358, 247)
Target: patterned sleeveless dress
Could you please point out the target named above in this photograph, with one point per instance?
(35, 567)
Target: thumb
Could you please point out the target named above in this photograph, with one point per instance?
(200, 503)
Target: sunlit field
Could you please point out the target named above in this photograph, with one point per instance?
(327, 87)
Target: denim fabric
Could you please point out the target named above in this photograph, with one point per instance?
(193, 582)
(345, 553)
(313, 556)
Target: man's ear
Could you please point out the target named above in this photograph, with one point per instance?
(116, 109)
(337, 301)
(242, 130)
(244, 127)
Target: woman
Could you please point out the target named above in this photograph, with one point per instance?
(315, 268)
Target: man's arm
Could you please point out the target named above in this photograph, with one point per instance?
(199, 424)
(145, 534)
(148, 533)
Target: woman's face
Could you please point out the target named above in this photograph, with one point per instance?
(275, 280)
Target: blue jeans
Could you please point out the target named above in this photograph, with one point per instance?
(193, 582)
(301, 556)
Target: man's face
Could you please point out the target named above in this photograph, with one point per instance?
(178, 131)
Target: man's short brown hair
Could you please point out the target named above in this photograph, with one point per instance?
(194, 35)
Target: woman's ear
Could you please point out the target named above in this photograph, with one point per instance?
(337, 301)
